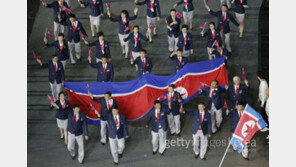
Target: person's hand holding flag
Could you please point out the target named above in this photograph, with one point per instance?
(50, 99)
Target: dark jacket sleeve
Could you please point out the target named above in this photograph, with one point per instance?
(127, 38)
(233, 20)
(158, 9)
(133, 17)
(50, 44)
(85, 129)
(101, 6)
(125, 128)
(93, 65)
(143, 37)
(213, 13)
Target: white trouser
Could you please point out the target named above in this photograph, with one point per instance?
(244, 152)
(135, 55)
(226, 2)
(174, 123)
(216, 117)
(116, 147)
(74, 47)
(57, 28)
(186, 53)
(240, 17)
(158, 139)
(172, 43)
(226, 40)
(104, 125)
(55, 89)
(64, 64)
(71, 146)
(203, 143)
(187, 16)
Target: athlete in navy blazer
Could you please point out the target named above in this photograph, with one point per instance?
(216, 99)
(142, 69)
(103, 76)
(95, 9)
(104, 107)
(239, 6)
(221, 52)
(53, 75)
(175, 28)
(164, 111)
(74, 34)
(113, 132)
(156, 8)
(136, 47)
(80, 126)
(189, 42)
(62, 113)
(240, 95)
(189, 7)
(177, 64)
(175, 103)
(121, 26)
(62, 52)
(56, 10)
(196, 122)
(99, 52)
(212, 37)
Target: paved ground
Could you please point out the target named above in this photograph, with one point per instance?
(46, 149)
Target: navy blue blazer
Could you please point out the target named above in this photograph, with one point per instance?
(175, 28)
(216, 99)
(190, 6)
(241, 97)
(175, 104)
(121, 26)
(104, 107)
(56, 10)
(99, 52)
(164, 111)
(62, 113)
(211, 40)
(206, 126)
(58, 76)
(141, 69)
(77, 128)
(64, 53)
(221, 54)
(112, 129)
(104, 77)
(156, 8)
(189, 41)
(233, 115)
(95, 9)
(74, 35)
(239, 7)
(176, 66)
(224, 25)
(138, 47)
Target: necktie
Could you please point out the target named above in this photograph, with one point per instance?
(102, 47)
(240, 114)
(116, 121)
(236, 90)
(212, 93)
(171, 97)
(61, 47)
(94, 2)
(63, 105)
(224, 16)
(136, 40)
(186, 2)
(104, 68)
(220, 52)
(75, 119)
(201, 119)
(143, 62)
(157, 115)
(213, 34)
(123, 21)
(109, 106)
(152, 6)
(179, 59)
(241, 1)
(73, 26)
(185, 40)
(55, 67)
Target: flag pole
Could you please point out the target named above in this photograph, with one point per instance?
(224, 154)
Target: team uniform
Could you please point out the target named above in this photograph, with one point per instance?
(187, 10)
(159, 128)
(235, 116)
(74, 38)
(58, 26)
(237, 94)
(212, 36)
(96, 9)
(185, 42)
(239, 10)
(223, 19)
(178, 62)
(173, 33)
(174, 116)
(62, 113)
(105, 71)
(106, 107)
(77, 127)
(214, 106)
(144, 65)
(103, 49)
(62, 50)
(55, 76)
(136, 45)
(117, 130)
(153, 11)
(201, 127)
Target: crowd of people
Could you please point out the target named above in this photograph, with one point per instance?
(165, 115)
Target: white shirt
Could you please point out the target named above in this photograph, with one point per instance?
(262, 91)
(236, 87)
(110, 102)
(55, 64)
(171, 95)
(104, 65)
(202, 115)
(180, 59)
(117, 116)
(157, 111)
(76, 115)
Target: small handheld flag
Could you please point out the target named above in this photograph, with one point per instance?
(50, 99)
(108, 4)
(151, 26)
(181, 108)
(47, 32)
(64, 8)
(84, 37)
(128, 28)
(167, 22)
(34, 54)
(203, 26)
(89, 51)
(202, 85)
(87, 86)
(243, 74)
(179, 15)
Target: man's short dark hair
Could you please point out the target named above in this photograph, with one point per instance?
(101, 33)
(201, 103)
(72, 15)
(240, 103)
(212, 23)
(173, 10)
(260, 74)
(104, 57)
(180, 50)
(143, 50)
(109, 93)
(61, 34)
(185, 26)
(60, 94)
(115, 107)
(172, 86)
(156, 102)
(136, 26)
(216, 81)
(225, 6)
(54, 55)
(75, 106)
